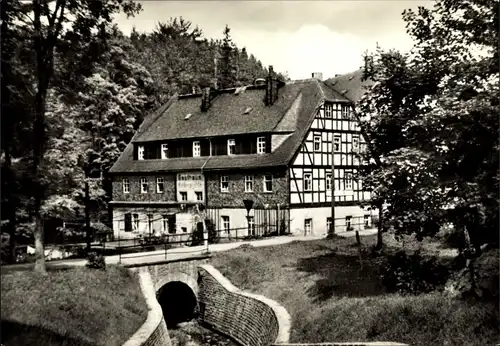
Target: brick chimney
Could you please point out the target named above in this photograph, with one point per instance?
(317, 75)
(205, 99)
(271, 87)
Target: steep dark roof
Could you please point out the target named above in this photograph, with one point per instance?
(350, 85)
(292, 113)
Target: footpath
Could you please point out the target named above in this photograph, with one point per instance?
(176, 254)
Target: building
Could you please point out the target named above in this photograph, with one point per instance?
(267, 146)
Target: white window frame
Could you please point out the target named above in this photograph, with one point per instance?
(196, 149)
(160, 182)
(164, 224)
(226, 223)
(267, 178)
(231, 144)
(183, 193)
(347, 180)
(366, 221)
(308, 181)
(328, 223)
(140, 152)
(248, 183)
(251, 225)
(317, 140)
(348, 222)
(224, 179)
(135, 222)
(337, 139)
(150, 223)
(126, 186)
(261, 145)
(328, 181)
(164, 151)
(144, 185)
(328, 110)
(355, 143)
(197, 194)
(308, 226)
(345, 111)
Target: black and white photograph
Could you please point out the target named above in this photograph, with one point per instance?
(250, 173)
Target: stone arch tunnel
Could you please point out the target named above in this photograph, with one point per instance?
(178, 302)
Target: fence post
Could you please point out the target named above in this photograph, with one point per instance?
(358, 241)
(165, 250)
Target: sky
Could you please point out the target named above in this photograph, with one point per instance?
(296, 37)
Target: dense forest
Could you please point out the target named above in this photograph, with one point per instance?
(74, 90)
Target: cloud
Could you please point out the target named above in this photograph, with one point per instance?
(313, 48)
(295, 36)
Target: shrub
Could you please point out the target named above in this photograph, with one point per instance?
(413, 273)
(96, 261)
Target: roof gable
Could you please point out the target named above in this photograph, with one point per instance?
(350, 85)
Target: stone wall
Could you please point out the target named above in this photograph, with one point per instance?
(249, 319)
(154, 331)
(236, 194)
(135, 188)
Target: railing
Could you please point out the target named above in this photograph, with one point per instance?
(185, 242)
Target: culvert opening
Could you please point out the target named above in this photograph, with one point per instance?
(178, 303)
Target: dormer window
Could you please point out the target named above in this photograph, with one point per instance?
(261, 145)
(231, 147)
(140, 152)
(196, 149)
(164, 151)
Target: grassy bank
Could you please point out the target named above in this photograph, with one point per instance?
(330, 298)
(71, 306)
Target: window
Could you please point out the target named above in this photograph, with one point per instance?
(348, 180)
(317, 143)
(196, 149)
(307, 182)
(184, 196)
(126, 186)
(135, 222)
(184, 229)
(261, 145)
(144, 185)
(231, 147)
(140, 152)
(224, 183)
(128, 222)
(348, 223)
(164, 151)
(159, 185)
(328, 181)
(328, 110)
(355, 143)
(150, 223)
(328, 224)
(199, 196)
(307, 226)
(268, 183)
(248, 183)
(251, 225)
(225, 223)
(345, 112)
(164, 223)
(336, 143)
(366, 220)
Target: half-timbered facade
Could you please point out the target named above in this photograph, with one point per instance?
(274, 144)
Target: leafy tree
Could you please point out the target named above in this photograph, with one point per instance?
(52, 22)
(431, 122)
(227, 75)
